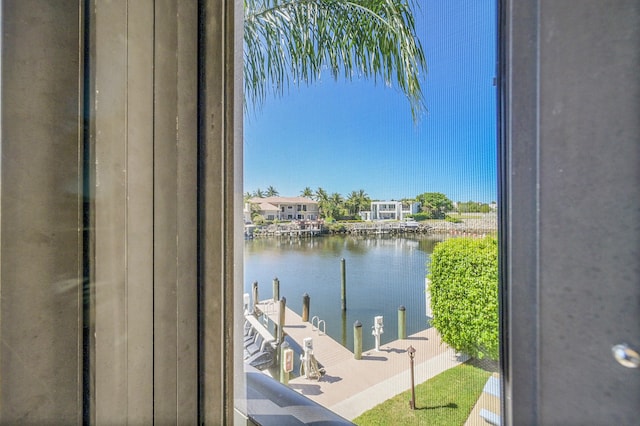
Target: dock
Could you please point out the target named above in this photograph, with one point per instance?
(350, 387)
(387, 227)
(297, 229)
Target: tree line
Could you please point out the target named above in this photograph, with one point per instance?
(334, 206)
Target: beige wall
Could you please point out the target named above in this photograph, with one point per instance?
(41, 214)
(118, 130)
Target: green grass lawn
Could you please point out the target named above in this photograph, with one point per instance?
(446, 399)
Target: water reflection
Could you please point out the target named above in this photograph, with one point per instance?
(337, 244)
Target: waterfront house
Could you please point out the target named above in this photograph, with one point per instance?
(390, 210)
(285, 208)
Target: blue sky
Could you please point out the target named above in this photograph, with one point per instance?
(345, 136)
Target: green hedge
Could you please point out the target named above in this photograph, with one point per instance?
(452, 219)
(464, 294)
(419, 217)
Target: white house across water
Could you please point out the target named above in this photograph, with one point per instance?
(390, 210)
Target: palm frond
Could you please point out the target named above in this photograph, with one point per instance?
(292, 42)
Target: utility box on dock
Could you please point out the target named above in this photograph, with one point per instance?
(378, 330)
(288, 360)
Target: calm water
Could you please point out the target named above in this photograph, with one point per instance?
(382, 274)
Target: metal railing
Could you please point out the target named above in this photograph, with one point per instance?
(315, 325)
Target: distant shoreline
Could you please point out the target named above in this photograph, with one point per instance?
(478, 225)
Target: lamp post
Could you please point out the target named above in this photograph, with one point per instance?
(412, 352)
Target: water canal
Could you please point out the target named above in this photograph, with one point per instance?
(382, 273)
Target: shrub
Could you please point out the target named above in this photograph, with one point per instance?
(464, 294)
(418, 217)
(452, 219)
(336, 227)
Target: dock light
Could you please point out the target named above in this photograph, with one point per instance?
(412, 352)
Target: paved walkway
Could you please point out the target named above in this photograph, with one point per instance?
(488, 405)
(350, 387)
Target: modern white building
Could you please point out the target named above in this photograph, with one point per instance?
(284, 208)
(390, 210)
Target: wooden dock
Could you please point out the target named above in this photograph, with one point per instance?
(351, 387)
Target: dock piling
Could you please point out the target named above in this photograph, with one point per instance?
(276, 289)
(402, 322)
(281, 315)
(255, 295)
(344, 328)
(343, 270)
(306, 301)
(357, 340)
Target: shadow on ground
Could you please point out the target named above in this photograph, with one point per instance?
(374, 358)
(306, 389)
(485, 364)
(330, 379)
(449, 405)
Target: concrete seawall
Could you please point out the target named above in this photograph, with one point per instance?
(476, 226)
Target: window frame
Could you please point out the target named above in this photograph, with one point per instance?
(32, 112)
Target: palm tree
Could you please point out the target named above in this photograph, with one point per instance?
(351, 203)
(306, 192)
(357, 202)
(293, 41)
(322, 198)
(272, 192)
(363, 202)
(321, 195)
(258, 193)
(336, 206)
